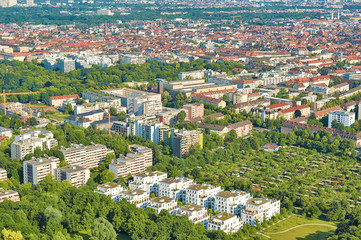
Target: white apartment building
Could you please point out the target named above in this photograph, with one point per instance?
(36, 169)
(76, 175)
(110, 189)
(86, 156)
(147, 181)
(201, 194)
(3, 174)
(26, 143)
(138, 197)
(9, 195)
(226, 222)
(6, 132)
(162, 203)
(231, 201)
(260, 209)
(174, 187)
(346, 118)
(195, 214)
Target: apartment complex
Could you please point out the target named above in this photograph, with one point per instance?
(260, 209)
(36, 169)
(86, 156)
(174, 187)
(138, 102)
(226, 222)
(3, 174)
(147, 181)
(346, 118)
(162, 203)
(201, 194)
(194, 110)
(134, 162)
(76, 175)
(184, 140)
(26, 143)
(110, 189)
(138, 197)
(57, 101)
(9, 195)
(195, 214)
(231, 201)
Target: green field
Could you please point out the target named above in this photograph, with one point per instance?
(298, 227)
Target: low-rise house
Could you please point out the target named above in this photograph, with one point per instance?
(271, 147)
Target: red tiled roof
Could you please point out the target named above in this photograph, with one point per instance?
(292, 109)
(64, 97)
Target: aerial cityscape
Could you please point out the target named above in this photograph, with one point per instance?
(212, 120)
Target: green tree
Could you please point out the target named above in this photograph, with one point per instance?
(102, 229)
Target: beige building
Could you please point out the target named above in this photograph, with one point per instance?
(184, 140)
(194, 213)
(194, 110)
(9, 195)
(138, 197)
(3, 174)
(36, 169)
(76, 175)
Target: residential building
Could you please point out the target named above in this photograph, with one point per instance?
(86, 156)
(26, 143)
(7, 3)
(195, 214)
(194, 110)
(3, 174)
(184, 140)
(201, 194)
(174, 187)
(346, 118)
(248, 106)
(231, 201)
(325, 112)
(110, 189)
(260, 209)
(242, 128)
(94, 97)
(66, 65)
(9, 195)
(132, 163)
(147, 181)
(320, 103)
(162, 203)
(293, 112)
(226, 222)
(6, 132)
(168, 117)
(138, 197)
(57, 101)
(76, 175)
(36, 169)
(132, 59)
(148, 153)
(191, 75)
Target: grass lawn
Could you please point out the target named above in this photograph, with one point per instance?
(56, 115)
(315, 229)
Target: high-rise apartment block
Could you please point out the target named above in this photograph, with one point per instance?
(36, 169)
(3, 174)
(86, 156)
(346, 118)
(184, 140)
(194, 110)
(134, 162)
(76, 175)
(26, 143)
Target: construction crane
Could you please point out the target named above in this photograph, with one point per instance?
(16, 93)
(108, 119)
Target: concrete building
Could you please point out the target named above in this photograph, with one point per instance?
(174, 187)
(3, 174)
(76, 175)
(148, 153)
(191, 75)
(346, 118)
(6, 132)
(226, 222)
(111, 189)
(194, 110)
(7, 3)
(147, 181)
(26, 143)
(132, 59)
(162, 203)
(201, 194)
(138, 102)
(184, 140)
(231, 201)
(132, 163)
(66, 65)
(36, 169)
(260, 209)
(242, 128)
(57, 101)
(138, 197)
(86, 156)
(9, 195)
(194, 213)
(293, 112)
